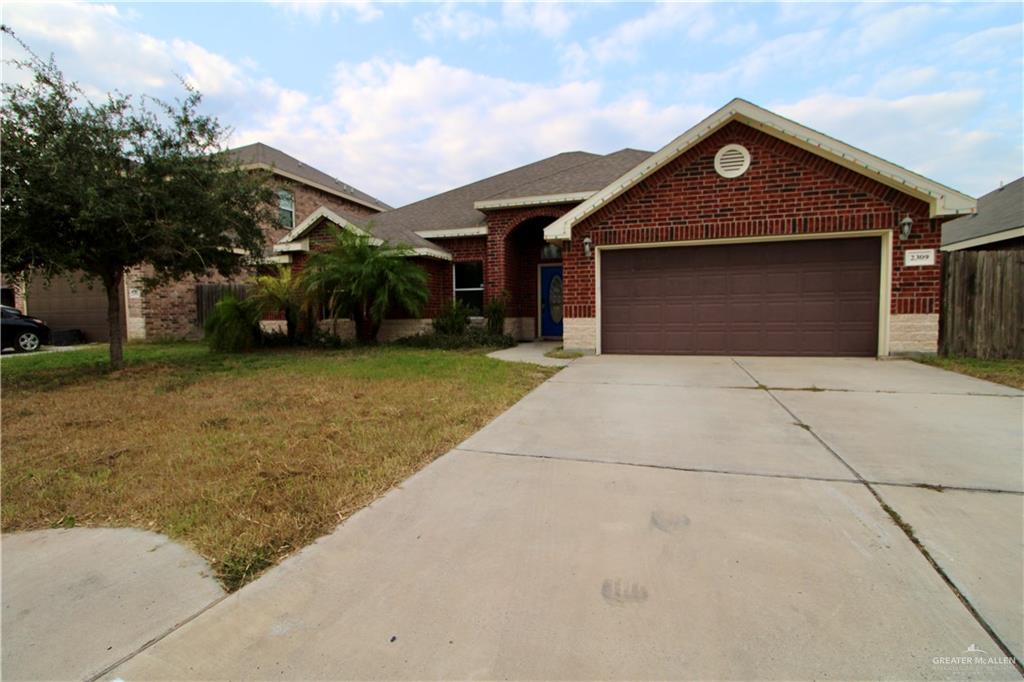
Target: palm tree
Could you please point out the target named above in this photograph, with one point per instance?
(364, 278)
(282, 292)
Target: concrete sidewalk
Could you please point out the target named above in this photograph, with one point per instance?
(663, 518)
(76, 601)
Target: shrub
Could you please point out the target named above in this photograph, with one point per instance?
(453, 320)
(472, 338)
(494, 311)
(233, 326)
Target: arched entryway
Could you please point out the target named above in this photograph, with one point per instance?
(533, 270)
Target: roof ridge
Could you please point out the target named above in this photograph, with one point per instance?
(597, 157)
(498, 175)
(262, 156)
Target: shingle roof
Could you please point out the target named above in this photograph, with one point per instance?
(998, 211)
(454, 208)
(586, 177)
(263, 154)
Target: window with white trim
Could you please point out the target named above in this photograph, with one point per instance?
(469, 284)
(286, 208)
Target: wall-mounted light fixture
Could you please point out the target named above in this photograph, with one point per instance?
(587, 251)
(906, 225)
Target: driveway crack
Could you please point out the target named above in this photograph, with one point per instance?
(903, 525)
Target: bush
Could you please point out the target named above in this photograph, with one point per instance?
(471, 338)
(453, 320)
(494, 311)
(233, 326)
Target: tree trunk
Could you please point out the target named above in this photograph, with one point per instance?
(291, 322)
(366, 327)
(114, 285)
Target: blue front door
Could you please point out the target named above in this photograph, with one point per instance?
(551, 301)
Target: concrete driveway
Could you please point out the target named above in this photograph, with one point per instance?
(667, 518)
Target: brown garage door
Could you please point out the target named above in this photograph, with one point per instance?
(804, 297)
(66, 303)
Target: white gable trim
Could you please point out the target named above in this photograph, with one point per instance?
(430, 253)
(538, 200)
(478, 231)
(309, 183)
(291, 242)
(942, 200)
(316, 216)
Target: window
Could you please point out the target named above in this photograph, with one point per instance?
(286, 208)
(469, 285)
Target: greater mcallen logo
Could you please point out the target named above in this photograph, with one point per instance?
(973, 656)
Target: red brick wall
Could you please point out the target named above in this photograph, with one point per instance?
(512, 256)
(785, 191)
(170, 310)
(309, 199)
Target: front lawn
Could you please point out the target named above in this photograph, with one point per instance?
(1008, 372)
(244, 457)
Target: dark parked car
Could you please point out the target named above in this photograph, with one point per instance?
(21, 332)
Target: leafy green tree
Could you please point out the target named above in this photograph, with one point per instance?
(281, 292)
(99, 187)
(364, 278)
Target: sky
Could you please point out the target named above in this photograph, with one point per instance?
(404, 100)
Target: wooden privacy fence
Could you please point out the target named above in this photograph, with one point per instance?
(983, 304)
(207, 296)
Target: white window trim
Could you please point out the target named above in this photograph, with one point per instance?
(281, 208)
(456, 289)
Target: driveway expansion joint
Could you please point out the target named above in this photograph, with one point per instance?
(665, 467)
(903, 525)
(794, 389)
(132, 654)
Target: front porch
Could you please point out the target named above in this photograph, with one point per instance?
(528, 271)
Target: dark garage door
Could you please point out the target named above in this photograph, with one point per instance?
(803, 297)
(67, 303)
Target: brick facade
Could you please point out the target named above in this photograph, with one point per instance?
(786, 191)
(169, 312)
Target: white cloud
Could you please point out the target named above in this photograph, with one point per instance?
(624, 43)
(788, 54)
(930, 134)
(449, 20)
(363, 10)
(408, 130)
(550, 19)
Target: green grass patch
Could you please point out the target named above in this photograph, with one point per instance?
(563, 354)
(1009, 372)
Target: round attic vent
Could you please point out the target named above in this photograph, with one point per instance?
(732, 161)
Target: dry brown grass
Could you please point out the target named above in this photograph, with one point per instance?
(245, 464)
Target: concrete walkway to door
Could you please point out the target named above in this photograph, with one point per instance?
(672, 518)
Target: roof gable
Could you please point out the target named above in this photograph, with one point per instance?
(941, 200)
(294, 240)
(453, 209)
(259, 155)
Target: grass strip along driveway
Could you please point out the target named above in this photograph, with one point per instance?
(246, 458)
(1006, 371)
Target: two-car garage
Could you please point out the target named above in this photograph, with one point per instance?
(793, 297)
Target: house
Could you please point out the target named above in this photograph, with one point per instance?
(747, 234)
(172, 311)
(998, 224)
(983, 277)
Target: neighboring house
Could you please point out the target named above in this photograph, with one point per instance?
(748, 234)
(983, 278)
(171, 311)
(998, 224)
